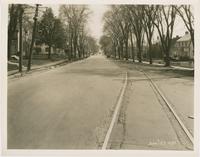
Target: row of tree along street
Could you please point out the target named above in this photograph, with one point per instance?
(37, 25)
(130, 26)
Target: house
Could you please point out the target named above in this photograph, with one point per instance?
(38, 48)
(183, 49)
(41, 48)
(14, 46)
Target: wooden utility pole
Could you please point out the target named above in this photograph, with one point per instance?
(20, 40)
(33, 38)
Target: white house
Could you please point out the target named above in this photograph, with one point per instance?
(183, 48)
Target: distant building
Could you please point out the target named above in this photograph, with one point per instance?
(173, 46)
(183, 49)
(15, 44)
(41, 48)
(38, 48)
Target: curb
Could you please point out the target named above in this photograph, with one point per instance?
(162, 65)
(172, 66)
(39, 67)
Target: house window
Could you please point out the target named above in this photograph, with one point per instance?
(37, 43)
(38, 49)
(47, 49)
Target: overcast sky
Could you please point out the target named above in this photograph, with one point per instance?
(96, 23)
(95, 20)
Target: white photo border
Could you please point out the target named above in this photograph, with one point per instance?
(137, 153)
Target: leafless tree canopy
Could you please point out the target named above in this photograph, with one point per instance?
(185, 12)
(126, 24)
(68, 31)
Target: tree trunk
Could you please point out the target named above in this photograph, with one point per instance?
(83, 52)
(114, 47)
(150, 53)
(9, 46)
(75, 49)
(118, 51)
(192, 39)
(79, 52)
(167, 59)
(122, 51)
(139, 54)
(49, 53)
(20, 41)
(132, 49)
(12, 27)
(126, 45)
(71, 50)
(33, 38)
(139, 49)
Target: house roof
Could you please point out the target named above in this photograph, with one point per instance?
(186, 37)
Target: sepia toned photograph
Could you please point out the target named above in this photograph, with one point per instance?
(100, 77)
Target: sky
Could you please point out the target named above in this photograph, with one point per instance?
(95, 22)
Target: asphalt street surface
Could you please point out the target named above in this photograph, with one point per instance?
(71, 107)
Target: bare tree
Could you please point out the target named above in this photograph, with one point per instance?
(47, 29)
(33, 38)
(12, 26)
(125, 26)
(105, 43)
(185, 12)
(136, 13)
(20, 39)
(121, 24)
(117, 26)
(112, 30)
(132, 45)
(165, 19)
(148, 22)
(76, 17)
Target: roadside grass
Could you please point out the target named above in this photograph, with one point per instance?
(159, 69)
(36, 61)
(166, 70)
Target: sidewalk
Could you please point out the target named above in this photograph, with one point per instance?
(36, 67)
(176, 67)
(161, 64)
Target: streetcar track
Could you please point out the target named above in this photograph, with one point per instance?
(145, 79)
(160, 96)
(115, 114)
(169, 106)
(158, 92)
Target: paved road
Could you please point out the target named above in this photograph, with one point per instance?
(71, 108)
(144, 120)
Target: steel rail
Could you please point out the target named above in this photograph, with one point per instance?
(184, 128)
(115, 114)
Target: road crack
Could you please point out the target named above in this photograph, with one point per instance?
(119, 131)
